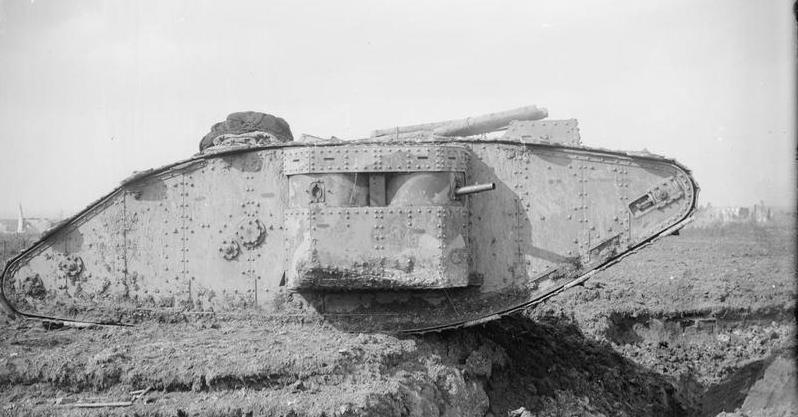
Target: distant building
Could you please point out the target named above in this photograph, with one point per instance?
(709, 216)
(25, 225)
(29, 225)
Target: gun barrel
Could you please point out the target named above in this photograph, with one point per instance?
(476, 188)
(471, 125)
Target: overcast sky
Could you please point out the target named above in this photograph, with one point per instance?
(93, 90)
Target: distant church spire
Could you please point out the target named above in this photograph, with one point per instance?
(20, 221)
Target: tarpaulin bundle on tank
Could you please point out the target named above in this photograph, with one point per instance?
(247, 122)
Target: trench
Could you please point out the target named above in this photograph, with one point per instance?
(689, 327)
(697, 364)
(706, 391)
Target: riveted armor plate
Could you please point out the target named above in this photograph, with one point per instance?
(229, 250)
(544, 131)
(375, 158)
(250, 232)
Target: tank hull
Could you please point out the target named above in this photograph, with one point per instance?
(245, 233)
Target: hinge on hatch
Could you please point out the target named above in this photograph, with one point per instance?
(657, 197)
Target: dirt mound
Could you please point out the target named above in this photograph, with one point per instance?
(222, 368)
(229, 367)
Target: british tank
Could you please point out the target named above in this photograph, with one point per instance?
(413, 229)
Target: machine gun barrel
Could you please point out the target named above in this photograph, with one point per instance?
(471, 125)
(476, 188)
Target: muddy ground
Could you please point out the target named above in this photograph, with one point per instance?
(700, 324)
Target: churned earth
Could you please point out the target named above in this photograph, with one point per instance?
(700, 324)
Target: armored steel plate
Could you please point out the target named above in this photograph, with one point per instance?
(375, 158)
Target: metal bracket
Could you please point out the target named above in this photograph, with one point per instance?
(657, 197)
(250, 232)
(317, 192)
